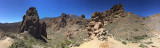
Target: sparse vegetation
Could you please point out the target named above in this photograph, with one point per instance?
(20, 44)
(140, 37)
(135, 29)
(64, 44)
(10, 35)
(77, 44)
(124, 42)
(149, 43)
(142, 45)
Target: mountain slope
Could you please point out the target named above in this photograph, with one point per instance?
(129, 27)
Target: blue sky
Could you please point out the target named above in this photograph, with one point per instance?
(13, 10)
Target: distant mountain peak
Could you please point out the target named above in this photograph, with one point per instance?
(72, 16)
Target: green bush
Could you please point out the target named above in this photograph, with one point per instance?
(77, 44)
(141, 45)
(10, 35)
(20, 44)
(64, 44)
(124, 42)
(140, 37)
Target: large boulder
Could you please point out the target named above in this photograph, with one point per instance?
(32, 24)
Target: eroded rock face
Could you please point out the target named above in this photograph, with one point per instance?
(31, 24)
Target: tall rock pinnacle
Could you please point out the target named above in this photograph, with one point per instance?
(31, 24)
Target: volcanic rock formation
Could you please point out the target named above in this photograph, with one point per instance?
(99, 19)
(61, 22)
(96, 16)
(115, 12)
(82, 16)
(31, 24)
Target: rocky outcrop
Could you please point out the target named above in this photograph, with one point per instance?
(32, 24)
(95, 29)
(96, 16)
(117, 11)
(82, 16)
(61, 22)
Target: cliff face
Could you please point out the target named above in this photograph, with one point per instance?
(31, 24)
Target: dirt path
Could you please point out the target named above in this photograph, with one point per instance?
(111, 43)
(6, 42)
(95, 43)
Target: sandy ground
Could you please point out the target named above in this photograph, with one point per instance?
(155, 40)
(118, 44)
(95, 43)
(112, 43)
(6, 42)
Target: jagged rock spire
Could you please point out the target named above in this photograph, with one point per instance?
(32, 24)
